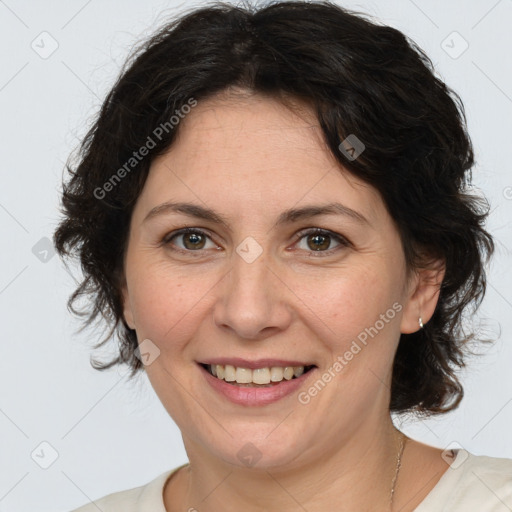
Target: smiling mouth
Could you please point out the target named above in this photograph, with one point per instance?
(259, 377)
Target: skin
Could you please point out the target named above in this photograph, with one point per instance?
(249, 158)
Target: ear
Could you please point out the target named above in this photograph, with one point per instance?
(423, 294)
(127, 308)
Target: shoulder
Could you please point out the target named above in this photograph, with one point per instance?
(145, 497)
(472, 482)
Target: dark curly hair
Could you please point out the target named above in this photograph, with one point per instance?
(358, 77)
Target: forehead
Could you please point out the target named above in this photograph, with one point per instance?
(246, 153)
(236, 125)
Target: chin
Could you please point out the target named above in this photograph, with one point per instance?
(260, 447)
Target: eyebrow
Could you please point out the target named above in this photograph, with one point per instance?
(286, 217)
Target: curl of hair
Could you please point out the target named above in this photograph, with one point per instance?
(358, 77)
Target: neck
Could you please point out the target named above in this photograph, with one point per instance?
(357, 475)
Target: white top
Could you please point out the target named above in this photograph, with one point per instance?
(473, 483)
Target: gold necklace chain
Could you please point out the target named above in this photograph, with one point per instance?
(403, 440)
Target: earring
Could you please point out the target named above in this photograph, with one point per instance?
(421, 323)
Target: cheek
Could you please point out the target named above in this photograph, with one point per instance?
(168, 305)
(356, 318)
(344, 303)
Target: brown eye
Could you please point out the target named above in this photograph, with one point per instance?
(188, 240)
(318, 242)
(321, 241)
(193, 240)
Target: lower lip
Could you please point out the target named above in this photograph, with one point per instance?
(255, 396)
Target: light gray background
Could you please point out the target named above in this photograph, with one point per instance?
(105, 434)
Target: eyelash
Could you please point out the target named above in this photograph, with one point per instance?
(342, 241)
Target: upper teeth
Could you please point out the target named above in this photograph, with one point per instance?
(231, 373)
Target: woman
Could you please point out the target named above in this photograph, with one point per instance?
(271, 211)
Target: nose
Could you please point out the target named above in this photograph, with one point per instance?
(252, 301)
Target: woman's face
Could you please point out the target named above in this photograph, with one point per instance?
(253, 281)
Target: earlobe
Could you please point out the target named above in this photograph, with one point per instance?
(127, 309)
(423, 299)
